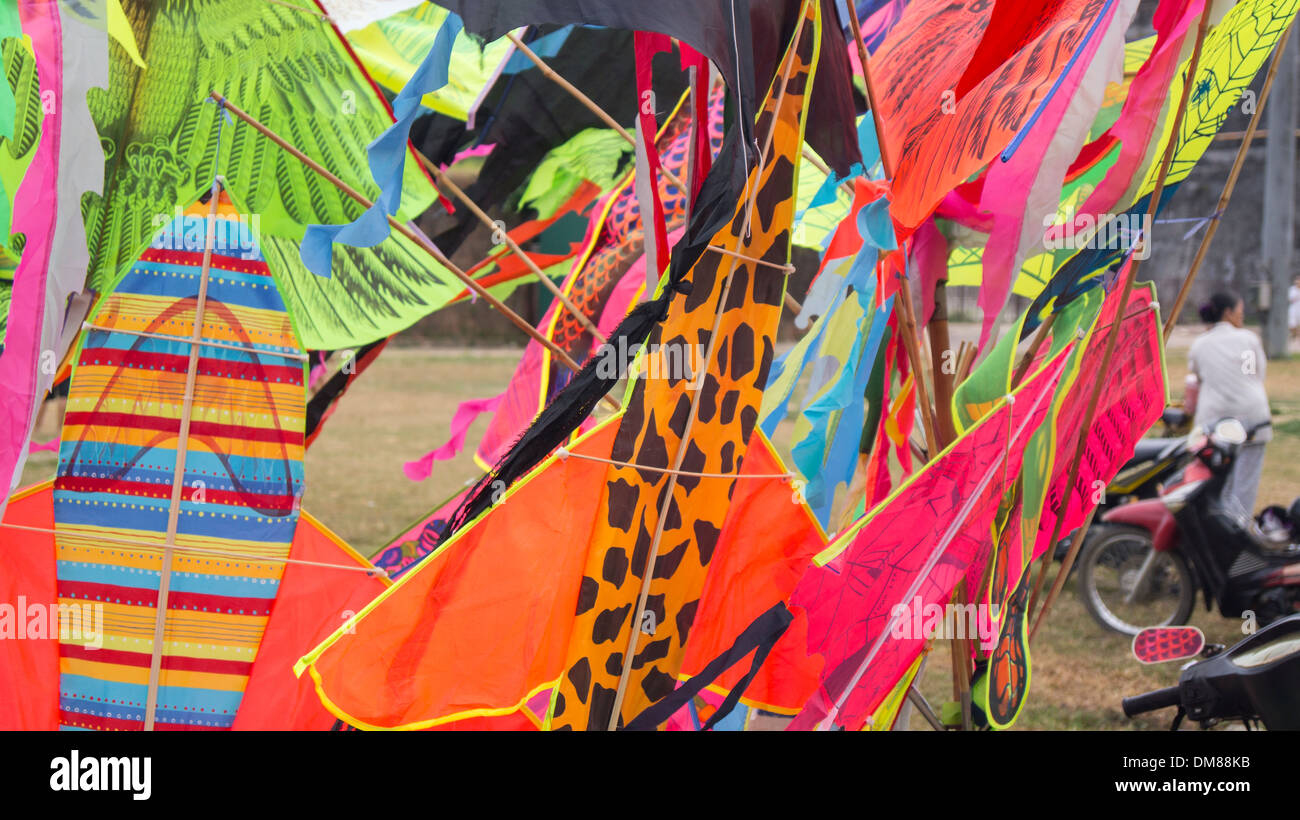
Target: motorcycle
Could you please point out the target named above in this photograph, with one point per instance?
(1153, 556)
(1256, 681)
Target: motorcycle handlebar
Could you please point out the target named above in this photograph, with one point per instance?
(1151, 701)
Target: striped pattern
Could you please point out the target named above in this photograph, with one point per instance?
(243, 478)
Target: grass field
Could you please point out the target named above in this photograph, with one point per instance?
(400, 408)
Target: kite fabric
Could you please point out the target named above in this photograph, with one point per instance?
(297, 74)
(929, 53)
(241, 481)
(768, 539)
(410, 658)
(745, 48)
(391, 48)
(1005, 591)
(242, 477)
(841, 349)
(1134, 397)
(419, 539)
(1148, 102)
(311, 602)
(29, 669)
(732, 311)
(646, 45)
(588, 562)
(68, 53)
(891, 558)
(1019, 192)
(551, 241)
(604, 284)
(710, 212)
(352, 15)
(480, 626)
(576, 400)
(595, 155)
(1088, 169)
(518, 142)
(1234, 51)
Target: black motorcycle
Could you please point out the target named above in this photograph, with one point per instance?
(1257, 681)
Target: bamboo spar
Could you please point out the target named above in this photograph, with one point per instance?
(886, 162)
(445, 181)
(1112, 340)
(406, 231)
(178, 471)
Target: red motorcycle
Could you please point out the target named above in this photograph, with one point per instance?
(1146, 565)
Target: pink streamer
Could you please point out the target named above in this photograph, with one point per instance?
(930, 250)
(476, 151)
(466, 414)
(51, 446)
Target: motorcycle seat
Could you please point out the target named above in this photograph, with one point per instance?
(1152, 449)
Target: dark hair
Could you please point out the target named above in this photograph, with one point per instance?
(1219, 304)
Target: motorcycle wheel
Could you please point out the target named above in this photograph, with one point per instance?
(1109, 567)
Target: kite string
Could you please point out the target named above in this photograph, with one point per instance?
(242, 556)
(786, 269)
(563, 454)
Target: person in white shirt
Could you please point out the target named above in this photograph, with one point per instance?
(1228, 361)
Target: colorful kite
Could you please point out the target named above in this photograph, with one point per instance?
(179, 485)
(295, 72)
(600, 548)
(870, 587)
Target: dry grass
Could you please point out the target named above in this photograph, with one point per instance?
(401, 407)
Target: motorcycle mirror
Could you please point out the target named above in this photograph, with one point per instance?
(1230, 431)
(1161, 644)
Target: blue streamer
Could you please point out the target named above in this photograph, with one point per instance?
(870, 148)
(387, 156)
(545, 47)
